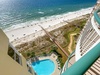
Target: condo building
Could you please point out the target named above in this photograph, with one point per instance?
(85, 60)
(11, 61)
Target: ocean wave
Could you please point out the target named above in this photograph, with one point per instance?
(59, 8)
(42, 19)
(51, 10)
(40, 12)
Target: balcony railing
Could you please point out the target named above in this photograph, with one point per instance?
(66, 64)
(97, 18)
(83, 64)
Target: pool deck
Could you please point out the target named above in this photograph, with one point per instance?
(53, 57)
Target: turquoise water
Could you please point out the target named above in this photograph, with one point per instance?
(15, 12)
(43, 67)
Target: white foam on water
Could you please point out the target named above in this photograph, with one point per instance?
(40, 12)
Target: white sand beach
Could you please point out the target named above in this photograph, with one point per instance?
(32, 31)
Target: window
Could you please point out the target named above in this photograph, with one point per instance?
(14, 55)
(29, 68)
(11, 52)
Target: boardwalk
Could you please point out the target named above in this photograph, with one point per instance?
(54, 40)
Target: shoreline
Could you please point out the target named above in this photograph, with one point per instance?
(30, 32)
(43, 19)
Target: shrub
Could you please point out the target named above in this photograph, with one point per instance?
(28, 54)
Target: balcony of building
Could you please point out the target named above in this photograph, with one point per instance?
(89, 64)
(70, 61)
(16, 56)
(11, 61)
(95, 20)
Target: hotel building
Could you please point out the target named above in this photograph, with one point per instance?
(11, 61)
(85, 60)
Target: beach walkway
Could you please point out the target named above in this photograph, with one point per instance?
(54, 40)
(71, 42)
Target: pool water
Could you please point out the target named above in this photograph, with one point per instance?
(43, 67)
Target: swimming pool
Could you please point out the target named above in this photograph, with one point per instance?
(44, 67)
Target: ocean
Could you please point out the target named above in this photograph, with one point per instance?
(23, 12)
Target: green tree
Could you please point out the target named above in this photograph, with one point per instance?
(28, 54)
(44, 53)
(32, 54)
(54, 49)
